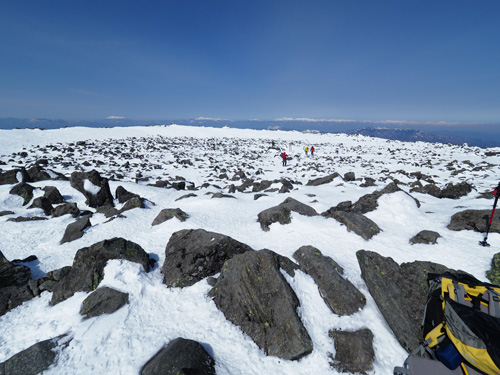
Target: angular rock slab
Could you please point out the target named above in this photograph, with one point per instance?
(102, 198)
(76, 229)
(35, 359)
(193, 254)
(254, 295)
(357, 223)
(425, 237)
(281, 213)
(170, 213)
(340, 295)
(400, 292)
(353, 351)
(88, 266)
(475, 220)
(103, 300)
(180, 357)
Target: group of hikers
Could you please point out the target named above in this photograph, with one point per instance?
(284, 155)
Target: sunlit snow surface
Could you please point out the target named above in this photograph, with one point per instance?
(121, 343)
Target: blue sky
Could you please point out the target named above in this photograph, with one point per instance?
(368, 60)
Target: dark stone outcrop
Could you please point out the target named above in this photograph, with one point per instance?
(180, 357)
(53, 195)
(493, 274)
(170, 213)
(254, 295)
(475, 220)
(102, 198)
(323, 180)
(11, 177)
(134, 202)
(42, 203)
(425, 237)
(49, 282)
(35, 359)
(193, 254)
(36, 173)
(24, 190)
(123, 195)
(260, 186)
(353, 351)
(451, 191)
(65, 209)
(12, 274)
(76, 229)
(281, 213)
(89, 262)
(13, 296)
(400, 292)
(103, 301)
(357, 223)
(340, 295)
(349, 176)
(5, 213)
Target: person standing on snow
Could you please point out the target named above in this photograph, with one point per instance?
(312, 151)
(307, 150)
(284, 156)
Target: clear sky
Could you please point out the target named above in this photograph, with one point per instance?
(436, 60)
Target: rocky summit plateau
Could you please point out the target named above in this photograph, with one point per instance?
(194, 250)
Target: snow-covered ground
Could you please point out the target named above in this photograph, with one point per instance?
(122, 342)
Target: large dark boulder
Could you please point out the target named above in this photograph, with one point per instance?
(353, 351)
(65, 209)
(170, 213)
(53, 195)
(35, 359)
(493, 274)
(340, 295)
(93, 187)
(281, 213)
(180, 357)
(357, 223)
(260, 186)
(42, 203)
(475, 220)
(123, 195)
(323, 180)
(12, 274)
(103, 301)
(76, 229)
(36, 173)
(24, 190)
(14, 176)
(451, 191)
(193, 254)
(13, 296)
(400, 292)
(253, 294)
(89, 262)
(425, 237)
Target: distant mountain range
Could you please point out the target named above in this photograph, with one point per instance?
(481, 135)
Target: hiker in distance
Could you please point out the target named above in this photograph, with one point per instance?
(306, 150)
(312, 151)
(284, 156)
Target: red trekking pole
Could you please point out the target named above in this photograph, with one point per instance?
(496, 193)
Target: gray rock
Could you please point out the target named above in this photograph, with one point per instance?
(65, 209)
(425, 237)
(36, 359)
(170, 213)
(76, 229)
(451, 191)
(36, 173)
(180, 357)
(22, 219)
(260, 186)
(103, 301)
(193, 254)
(340, 295)
(12, 274)
(493, 274)
(88, 266)
(102, 198)
(323, 180)
(357, 223)
(400, 292)
(134, 202)
(369, 202)
(349, 176)
(281, 213)
(11, 177)
(5, 213)
(123, 195)
(475, 220)
(53, 195)
(254, 295)
(42, 203)
(24, 190)
(13, 296)
(353, 351)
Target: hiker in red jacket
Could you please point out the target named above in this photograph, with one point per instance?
(284, 156)
(312, 151)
